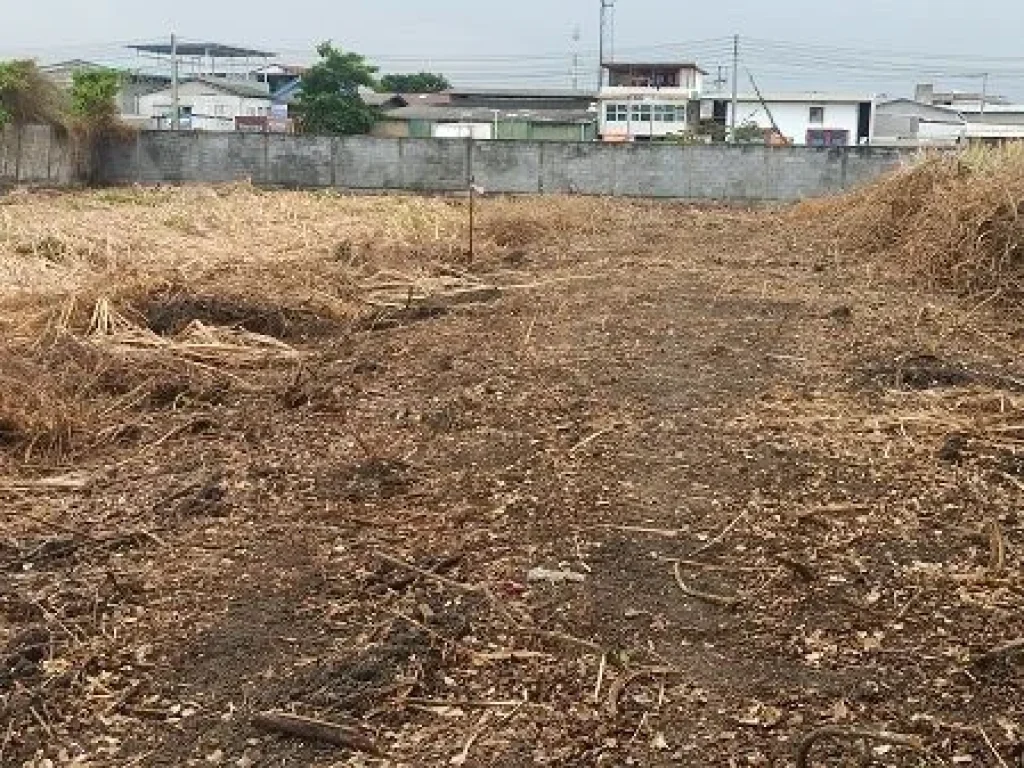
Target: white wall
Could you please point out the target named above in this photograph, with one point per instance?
(793, 117)
(481, 131)
(212, 109)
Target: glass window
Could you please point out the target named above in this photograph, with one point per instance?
(616, 113)
(817, 116)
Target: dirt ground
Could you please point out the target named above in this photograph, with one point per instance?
(679, 487)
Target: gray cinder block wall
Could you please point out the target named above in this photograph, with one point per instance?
(38, 154)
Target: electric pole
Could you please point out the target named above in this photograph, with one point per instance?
(576, 34)
(175, 103)
(735, 87)
(606, 7)
(984, 91)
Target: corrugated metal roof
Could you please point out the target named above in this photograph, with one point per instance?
(811, 97)
(523, 93)
(484, 115)
(217, 50)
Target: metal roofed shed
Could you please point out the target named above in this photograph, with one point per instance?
(215, 50)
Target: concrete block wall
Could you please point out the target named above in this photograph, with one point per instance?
(725, 173)
(38, 154)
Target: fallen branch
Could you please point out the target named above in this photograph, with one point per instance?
(725, 532)
(619, 686)
(467, 588)
(707, 597)
(803, 753)
(315, 730)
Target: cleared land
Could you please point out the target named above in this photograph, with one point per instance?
(641, 484)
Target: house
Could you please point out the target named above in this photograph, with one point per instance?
(644, 101)
(804, 119)
(207, 104)
(908, 122)
(494, 113)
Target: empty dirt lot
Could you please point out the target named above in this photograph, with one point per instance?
(639, 484)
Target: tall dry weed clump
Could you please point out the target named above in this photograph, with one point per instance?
(956, 219)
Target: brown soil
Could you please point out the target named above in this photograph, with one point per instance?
(832, 454)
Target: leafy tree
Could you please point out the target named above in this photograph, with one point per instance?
(27, 95)
(329, 102)
(94, 94)
(420, 82)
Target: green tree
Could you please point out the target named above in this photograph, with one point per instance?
(420, 82)
(94, 94)
(329, 102)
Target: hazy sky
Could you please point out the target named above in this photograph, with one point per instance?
(530, 41)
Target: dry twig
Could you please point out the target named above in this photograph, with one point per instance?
(315, 730)
(619, 686)
(803, 753)
(707, 597)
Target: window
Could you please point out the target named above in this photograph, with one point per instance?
(642, 113)
(817, 116)
(616, 113)
(670, 113)
(220, 110)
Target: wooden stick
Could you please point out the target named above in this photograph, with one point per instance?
(315, 730)
(803, 752)
(707, 597)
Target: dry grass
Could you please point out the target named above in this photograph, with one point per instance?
(142, 288)
(954, 220)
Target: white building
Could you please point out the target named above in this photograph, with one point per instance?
(803, 119)
(207, 104)
(641, 102)
(908, 122)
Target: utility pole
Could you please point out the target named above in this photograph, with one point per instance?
(576, 34)
(984, 91)
(175, 102)
(735, 87)
(606, 7)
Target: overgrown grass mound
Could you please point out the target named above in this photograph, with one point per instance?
(955, 219)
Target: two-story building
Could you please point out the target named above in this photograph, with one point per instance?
(644, 102)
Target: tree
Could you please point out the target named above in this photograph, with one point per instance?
(94, 94)
(420, 82)
(329, 102)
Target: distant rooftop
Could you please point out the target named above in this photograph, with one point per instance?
(523, 93)
(216, 50)
(627, 65)
(821, 97)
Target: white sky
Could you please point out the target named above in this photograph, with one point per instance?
(789, 44)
